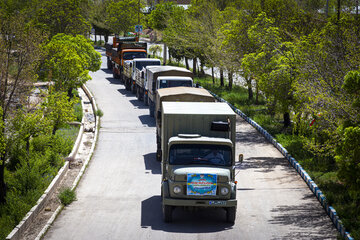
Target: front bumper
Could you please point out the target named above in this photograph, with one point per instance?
(200, 202)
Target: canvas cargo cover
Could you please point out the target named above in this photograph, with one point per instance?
(182, 94)
(154, 72)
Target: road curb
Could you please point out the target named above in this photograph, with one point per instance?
(331, 212)
(81, 173)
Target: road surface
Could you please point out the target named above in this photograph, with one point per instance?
(119, 195)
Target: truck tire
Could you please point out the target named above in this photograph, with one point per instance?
(158, 155)
(114, 74)
(133, 87)
(127, 84)
(231, 214)
(151, 108)
(167, 213)
(138, 94)
(109, 64)
(145, 99)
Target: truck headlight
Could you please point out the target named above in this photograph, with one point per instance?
(224, 191)
(177, 189)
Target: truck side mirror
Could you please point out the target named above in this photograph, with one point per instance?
(131, 65)
(241, 158)
(142, 74)
(159, 115)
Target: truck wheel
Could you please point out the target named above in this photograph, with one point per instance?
(109, 64)
(231, 214)
(115, 75)
(133, 87)
(158, 155)
(151, 108)
(167, 213)
(127, 85)
(145, 99)
(137, 93)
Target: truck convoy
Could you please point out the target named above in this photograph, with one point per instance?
(198, 157)
(165, 76)
(121, 50)
(195, 135)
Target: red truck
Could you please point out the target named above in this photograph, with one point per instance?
(122, 49)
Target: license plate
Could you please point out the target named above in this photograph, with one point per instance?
(216, 203)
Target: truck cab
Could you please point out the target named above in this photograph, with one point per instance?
(198, 157)
(173, 81)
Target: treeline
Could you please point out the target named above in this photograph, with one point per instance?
(302, 56)
(40, 41)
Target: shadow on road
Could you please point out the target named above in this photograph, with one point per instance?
(250, 138)
(105, 70)
(300, 217)
(147, 120)
(151, 164)
(264, 164)
(113, 81)
(199, 221)
(138, 104)
(125, 92)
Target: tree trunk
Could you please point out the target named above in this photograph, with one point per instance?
(327, 9)
(194, 66)
(257, 93)
(164, 56)
(230, 78)
(221, 77)
(106, 37)
(202, 68)
(212, 75)
(187, 63)
(287, 121)
(250, 91)
(338, 9)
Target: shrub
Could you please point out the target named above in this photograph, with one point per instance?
(67, 196)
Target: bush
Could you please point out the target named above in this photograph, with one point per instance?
(78, 112)
(67, 196)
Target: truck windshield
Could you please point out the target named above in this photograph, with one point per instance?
(141, 65)
(186, 154)
(175, 83)
(132, 55)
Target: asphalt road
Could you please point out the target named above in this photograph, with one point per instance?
(119, 195)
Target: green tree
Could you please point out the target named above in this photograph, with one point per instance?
(58, 109)
(21, 51)
(122, 16)
(69, 60)
(273, 65)
(62, 16)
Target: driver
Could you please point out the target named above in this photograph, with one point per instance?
(215, 157)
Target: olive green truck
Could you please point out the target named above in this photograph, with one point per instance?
(198, 157)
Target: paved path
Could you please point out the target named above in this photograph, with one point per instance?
(119, 196)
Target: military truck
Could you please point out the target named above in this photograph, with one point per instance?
(138, 75)
(152, 83)
(176, 94)
(198, 157)
(121, 50)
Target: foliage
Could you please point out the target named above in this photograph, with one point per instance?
(58, 109)
(155, 49)
(122, 16)
(67, 196)
(69, 61)
(62, 16)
